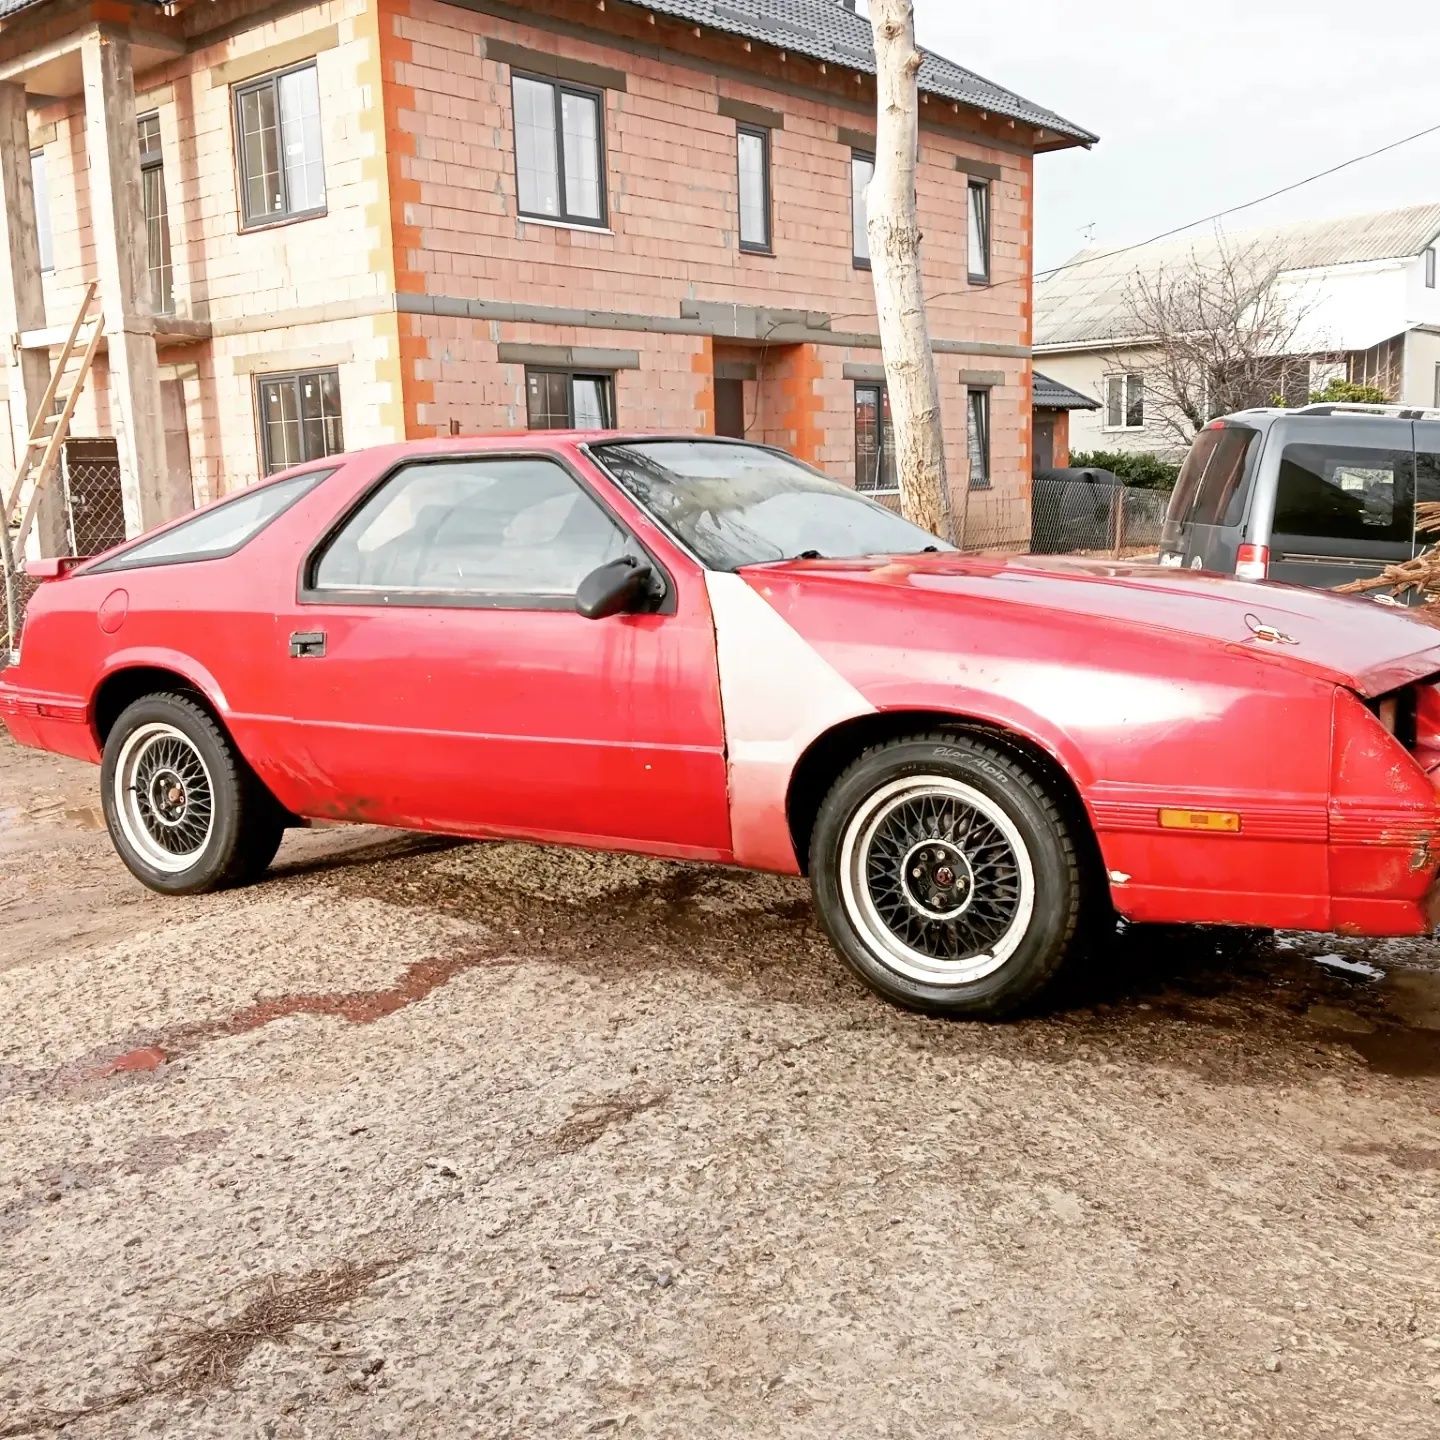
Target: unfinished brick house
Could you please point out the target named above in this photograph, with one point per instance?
(327, 223)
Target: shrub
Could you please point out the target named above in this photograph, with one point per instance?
(1347, 392)
(1139, 467)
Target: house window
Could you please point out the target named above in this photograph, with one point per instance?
(979, 251)
(569, 400)
(874, 439)
(157, 217)
(559, 156)
(1437, 387)
(1125, 402)
(977, 421)
(1430, 268)
(299, 417)
(40, 182)
(282, 167)
(862, 170)
(753, 156)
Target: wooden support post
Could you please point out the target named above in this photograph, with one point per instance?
(117, 221)
(22, 298)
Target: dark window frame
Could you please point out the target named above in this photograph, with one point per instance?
(881, 392)
(762, 134)
(573, 373)
(121, 561)
(308, 593)
(559, 89)
(154, 160)
(273, 377)
(985, 426)
(981, 187)
(860, 262)
(1429, 267)
(271, 79)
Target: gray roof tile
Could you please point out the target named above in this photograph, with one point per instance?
(827, 30)
(1050, 394)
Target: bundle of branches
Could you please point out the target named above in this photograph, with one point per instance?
(1422, 572)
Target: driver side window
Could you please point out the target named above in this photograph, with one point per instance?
(513, 531)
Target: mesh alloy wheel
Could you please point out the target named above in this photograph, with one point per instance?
(936, 879)
(164, 797)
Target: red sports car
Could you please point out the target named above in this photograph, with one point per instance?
(702, 649)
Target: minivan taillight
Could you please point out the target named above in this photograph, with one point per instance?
(1252, 562)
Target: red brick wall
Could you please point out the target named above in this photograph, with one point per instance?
(671, 236)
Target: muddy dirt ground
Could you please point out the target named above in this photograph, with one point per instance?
(427, 1139)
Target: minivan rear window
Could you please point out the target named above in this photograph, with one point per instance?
(1210, 489)
(1346, 492)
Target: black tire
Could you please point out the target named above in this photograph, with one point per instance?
(856, 852)
(244, 826)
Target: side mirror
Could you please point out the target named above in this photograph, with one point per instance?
(616, 588)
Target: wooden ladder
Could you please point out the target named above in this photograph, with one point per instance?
(51, 423)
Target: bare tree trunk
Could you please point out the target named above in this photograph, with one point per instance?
(894, 234)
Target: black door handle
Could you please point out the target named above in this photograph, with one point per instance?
(307, 644)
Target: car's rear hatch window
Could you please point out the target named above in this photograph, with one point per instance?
(1214, 480)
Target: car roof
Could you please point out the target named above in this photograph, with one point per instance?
(541, 440)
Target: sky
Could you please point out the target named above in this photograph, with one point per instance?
(1200, 107)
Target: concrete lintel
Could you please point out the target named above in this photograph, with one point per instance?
(744, 113)
(720, 322)
(568, 357)
(872, 374)
(275, 57)
(982, 379)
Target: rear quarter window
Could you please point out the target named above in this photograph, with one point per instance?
(219, 531)
(1351, 493)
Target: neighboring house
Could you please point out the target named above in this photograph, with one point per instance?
(1053, 403)
(369, 221)
(1363, 291)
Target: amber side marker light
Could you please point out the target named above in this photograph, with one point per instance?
(1225, 821)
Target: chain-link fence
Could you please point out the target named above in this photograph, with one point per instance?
(1061, 517)
(89, 518)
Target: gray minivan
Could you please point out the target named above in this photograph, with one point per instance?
(1315, 496)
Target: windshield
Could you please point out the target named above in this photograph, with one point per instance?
(737, 505)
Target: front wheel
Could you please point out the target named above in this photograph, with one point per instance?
(946, 875)
(185, 812)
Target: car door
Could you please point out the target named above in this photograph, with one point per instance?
(1344, 503)
(439, 676)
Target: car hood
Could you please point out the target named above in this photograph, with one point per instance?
(1348, 640)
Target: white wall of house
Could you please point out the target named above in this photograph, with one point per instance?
(1422, 368)
(1087, 371)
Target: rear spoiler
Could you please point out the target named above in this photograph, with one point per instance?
(56, 567)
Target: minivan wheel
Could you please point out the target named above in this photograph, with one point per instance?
(184, 811)
(946, 875)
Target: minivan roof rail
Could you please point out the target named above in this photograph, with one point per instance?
(1358, 407)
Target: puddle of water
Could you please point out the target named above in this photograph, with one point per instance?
(1399, 1050)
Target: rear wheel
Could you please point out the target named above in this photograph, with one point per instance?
(947, 875)
(184, 811)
